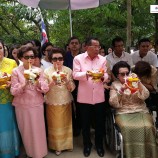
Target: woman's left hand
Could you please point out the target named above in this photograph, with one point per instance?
(64, 79)
(69, 86)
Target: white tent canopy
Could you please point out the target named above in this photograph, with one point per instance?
(64, 4)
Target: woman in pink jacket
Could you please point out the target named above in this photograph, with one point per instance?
(27, 86)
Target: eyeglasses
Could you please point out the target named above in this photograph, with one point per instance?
(124, 73)
(55, 59)
(29, 57)
(96, 47)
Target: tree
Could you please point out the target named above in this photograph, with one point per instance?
(104, 22)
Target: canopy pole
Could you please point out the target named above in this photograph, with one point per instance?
(70, 18)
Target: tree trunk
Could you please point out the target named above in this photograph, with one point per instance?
(156, 24)
(129, 17)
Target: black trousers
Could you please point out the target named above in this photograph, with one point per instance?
(76, 118)
(88, 112)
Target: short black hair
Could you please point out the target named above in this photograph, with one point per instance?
(1, 41)
(44, 46)
(118, 65)
(72, 38)
(143, 40)
(117, 39)
(10, 55)
(39, 55)
(88, 41)
(29, 41)
(37, 42)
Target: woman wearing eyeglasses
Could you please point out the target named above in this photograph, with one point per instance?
(9, 135)
(58, 100)
(132, 116)
(27, 86)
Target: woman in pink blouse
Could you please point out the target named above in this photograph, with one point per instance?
(28, 101)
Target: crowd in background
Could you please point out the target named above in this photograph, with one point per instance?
(45, 112)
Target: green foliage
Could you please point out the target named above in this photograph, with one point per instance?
(15, 25)
(104, 22)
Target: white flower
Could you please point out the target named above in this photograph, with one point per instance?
(135, 84)
(35, 71)
(127, 91)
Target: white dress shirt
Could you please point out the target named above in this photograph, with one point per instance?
(113, 59)
(151, 58)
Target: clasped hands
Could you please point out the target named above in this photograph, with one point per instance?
(55, 81)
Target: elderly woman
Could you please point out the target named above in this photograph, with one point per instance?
(27, 86)
(132, 116)
(9, 136)
(58, 100)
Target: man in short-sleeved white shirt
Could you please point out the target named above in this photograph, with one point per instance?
(118, 53)
(143, 54)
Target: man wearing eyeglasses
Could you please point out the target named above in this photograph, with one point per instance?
(91, 94)
(118, 53)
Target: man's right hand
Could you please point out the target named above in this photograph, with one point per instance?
(89, 73)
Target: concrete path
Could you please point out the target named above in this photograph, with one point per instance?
(77, 151)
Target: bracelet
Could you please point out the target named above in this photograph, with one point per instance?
(118, 91)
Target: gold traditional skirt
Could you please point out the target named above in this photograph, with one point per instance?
(59, 121)
(139, 135)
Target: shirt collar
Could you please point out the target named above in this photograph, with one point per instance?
(87, 56)
(144, 56)
(114, 56)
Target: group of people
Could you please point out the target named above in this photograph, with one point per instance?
(64, 83)
(22, 99)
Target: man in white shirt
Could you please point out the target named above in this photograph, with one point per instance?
(143, 54)
(118, 53)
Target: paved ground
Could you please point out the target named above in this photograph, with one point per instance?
(77, 151)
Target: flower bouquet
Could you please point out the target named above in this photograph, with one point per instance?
(131, 83)
(59, 77)
(4, 77)
(32, 75)
(96, 75)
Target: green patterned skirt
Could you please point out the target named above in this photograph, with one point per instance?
(139, 135)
